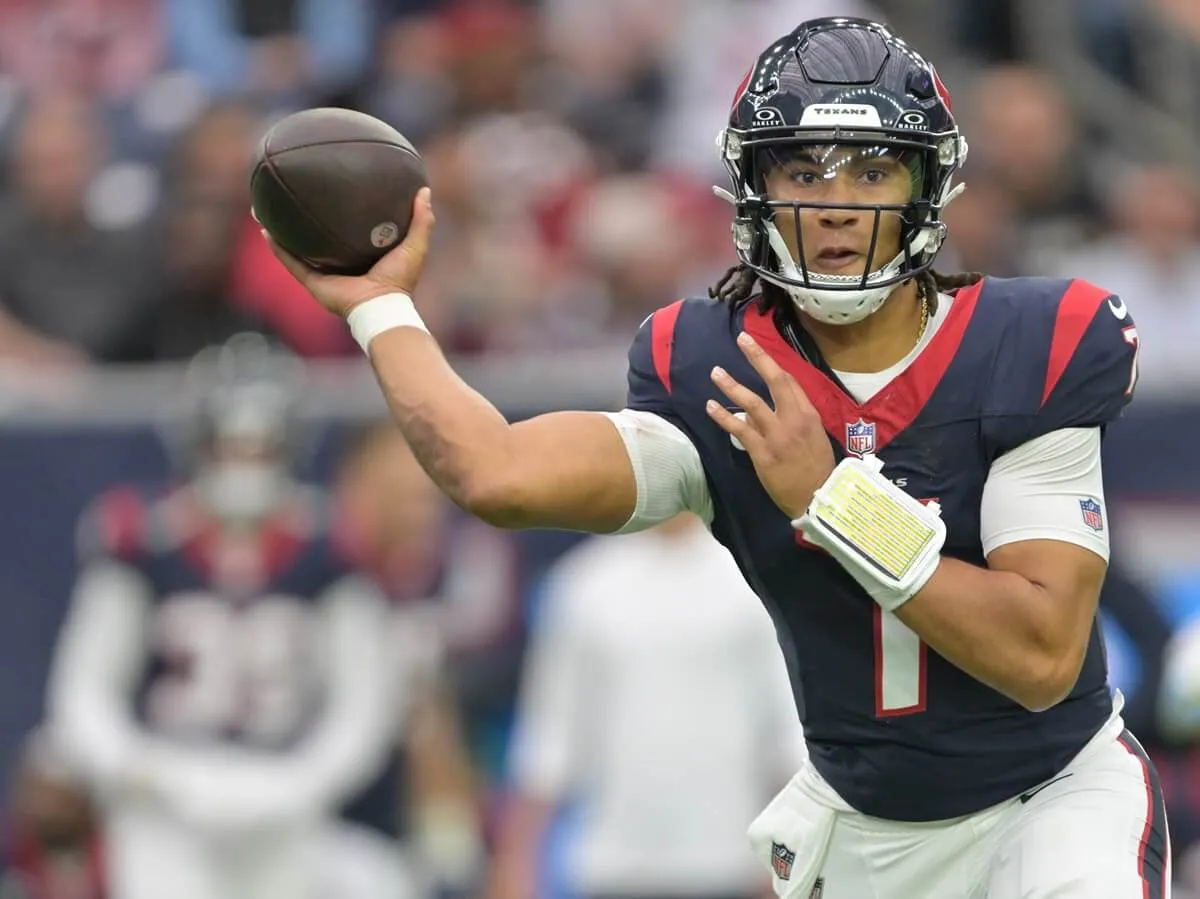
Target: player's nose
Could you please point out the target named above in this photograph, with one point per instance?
(839, 195)
(836, 216)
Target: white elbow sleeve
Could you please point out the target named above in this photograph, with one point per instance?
(670, 475)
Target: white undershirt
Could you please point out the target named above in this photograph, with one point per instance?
(1032, 492)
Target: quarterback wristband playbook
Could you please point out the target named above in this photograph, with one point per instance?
(889, 542)
(392, 310)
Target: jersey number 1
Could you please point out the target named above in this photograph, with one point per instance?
(900, 673)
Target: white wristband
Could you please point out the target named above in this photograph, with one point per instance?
(886, 540)
(392, 310)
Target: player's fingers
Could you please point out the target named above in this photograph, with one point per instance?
(402, 266)
(756, 407)
(735, 425)
(298, 269)
(782, 385)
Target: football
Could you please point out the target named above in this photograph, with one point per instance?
(335, 187)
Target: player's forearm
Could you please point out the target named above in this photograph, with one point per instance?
(998, 627)
(567, 470)
(89, 692)
(455, 433)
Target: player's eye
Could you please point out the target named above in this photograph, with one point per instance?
(874, 176)
(806, 177)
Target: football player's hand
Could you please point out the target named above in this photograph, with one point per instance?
(787, 444)
(397, 272)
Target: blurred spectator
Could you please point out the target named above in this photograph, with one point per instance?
(198, 308)
(490, 49)
(52, 845)
(983, 230)
(495, 281)
(1024, 139)
(656, 698)
(1151, 45)
(284, 53)
(224, 680)
(213, 155)
(605, 72)
(1127, 602)
(701, 83)
(77, 261)
(644, 238)
(1152, 260)
(105, 49)
(409, 88)
(986, 29)
(212, 160)
(468, 574)
(401, 520)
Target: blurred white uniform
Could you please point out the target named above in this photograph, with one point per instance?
(222, 735)
(656, 694)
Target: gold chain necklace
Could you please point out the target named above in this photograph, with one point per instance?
(924, 315)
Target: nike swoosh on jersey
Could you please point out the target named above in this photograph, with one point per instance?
(1117, 308)
(1025, 797)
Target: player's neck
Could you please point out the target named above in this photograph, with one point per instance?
(877, 342)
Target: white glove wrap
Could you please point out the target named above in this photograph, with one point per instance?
(392, 310)
(886, 540)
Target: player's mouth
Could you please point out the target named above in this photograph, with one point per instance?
(837, 259)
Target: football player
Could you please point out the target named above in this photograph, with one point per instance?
(222, 681)
(905, 466)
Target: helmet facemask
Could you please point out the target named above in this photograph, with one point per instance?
(903, 214)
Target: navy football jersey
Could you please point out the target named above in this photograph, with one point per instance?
(232, 640)
(897, 730)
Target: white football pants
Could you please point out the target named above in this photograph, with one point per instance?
(1096, 831)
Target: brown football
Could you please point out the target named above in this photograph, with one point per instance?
(335, 187)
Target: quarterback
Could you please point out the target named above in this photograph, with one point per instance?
(905, 466)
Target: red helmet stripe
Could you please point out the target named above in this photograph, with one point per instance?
(741, 89)
(941, 89)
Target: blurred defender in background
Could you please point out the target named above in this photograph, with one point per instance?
(225, 680)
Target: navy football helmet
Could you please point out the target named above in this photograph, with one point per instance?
(239, 433)
(835, 92)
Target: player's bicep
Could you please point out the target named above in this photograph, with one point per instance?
(571, 471)
(1042, 517)
(606, 472)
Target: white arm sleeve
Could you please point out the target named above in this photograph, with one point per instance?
(99, 655)
(670, 475)
(1036, 492)
(233, 788)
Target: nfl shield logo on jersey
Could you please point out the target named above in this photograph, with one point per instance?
(860, 437)
(1093, 517)
(781, 860)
